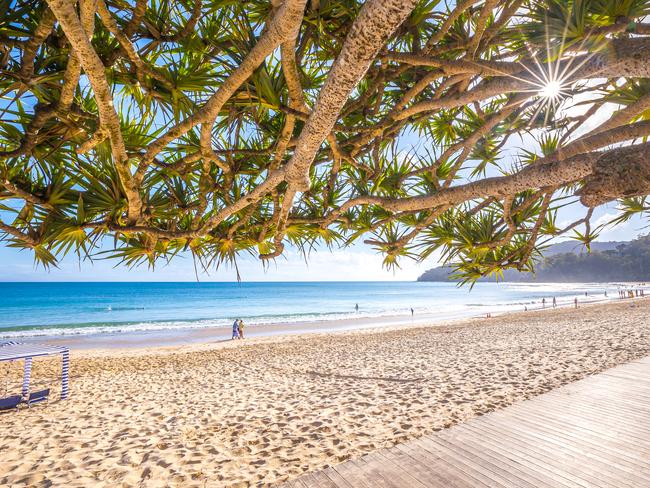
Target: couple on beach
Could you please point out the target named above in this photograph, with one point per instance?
(238, 329)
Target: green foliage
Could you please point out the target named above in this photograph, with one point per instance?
(61, 192)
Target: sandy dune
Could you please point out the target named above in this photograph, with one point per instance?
(261, 411)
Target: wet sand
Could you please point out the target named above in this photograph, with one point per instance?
(202, 335)
(265, 409)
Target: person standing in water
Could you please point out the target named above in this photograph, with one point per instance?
(240, 329)
(356, 307)
(543, 302)
(412, 312)
(554, 302)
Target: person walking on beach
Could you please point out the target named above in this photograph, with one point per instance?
(240, 329)
(575, 301)
(554, 302)
(235, 329)
(543, 302)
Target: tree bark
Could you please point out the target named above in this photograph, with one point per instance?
(283, 26)
(375, 23)
(620, 58)
(92, 65)
(594, 167)
(620, 173)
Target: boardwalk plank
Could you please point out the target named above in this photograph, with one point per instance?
(531, 457)
(374, 473)
(607, 404)
(336, 478)
(629, 452)
(501, 465)
(578, 445)
(633, 428)
(403, 477)
(598, 412)
(493, 473)
(441, 462)
(421, 471)
(424, 458)
(352, 474)
(594, 433)
(531, 473)
(568, 458)
(556, 464)
(467, 470)
(310, 480)
(322, 480)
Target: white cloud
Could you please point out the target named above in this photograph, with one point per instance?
(606, 218)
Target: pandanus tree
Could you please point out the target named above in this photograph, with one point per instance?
(221, 127)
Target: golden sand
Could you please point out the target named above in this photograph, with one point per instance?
(260, 411)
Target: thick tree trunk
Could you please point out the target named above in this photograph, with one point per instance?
(92, 65)
(613, 174)
(620, 173)
(376, 22)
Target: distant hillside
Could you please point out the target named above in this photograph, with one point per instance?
(567, 262)
(579, 248)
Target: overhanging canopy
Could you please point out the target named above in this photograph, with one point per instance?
(11, 351)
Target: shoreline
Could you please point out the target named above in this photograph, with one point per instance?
(262, 411)
(444, 326)
(199, 335)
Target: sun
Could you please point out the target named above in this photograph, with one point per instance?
(551, 89)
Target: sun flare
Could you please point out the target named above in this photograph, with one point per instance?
(551, 89)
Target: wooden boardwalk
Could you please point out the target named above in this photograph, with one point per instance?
(591, 433)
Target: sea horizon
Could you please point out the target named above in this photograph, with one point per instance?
(151, 309)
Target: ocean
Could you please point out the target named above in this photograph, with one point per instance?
(75, 309)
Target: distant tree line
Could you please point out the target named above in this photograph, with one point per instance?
(628, 262)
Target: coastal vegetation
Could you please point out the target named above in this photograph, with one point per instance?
(627, 261)
(219, 127)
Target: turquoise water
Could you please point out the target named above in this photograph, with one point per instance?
(54, 309)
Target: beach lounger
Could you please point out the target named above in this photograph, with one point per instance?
(10, 403)
(38, 396)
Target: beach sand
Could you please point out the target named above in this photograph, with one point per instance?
(264, 410)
